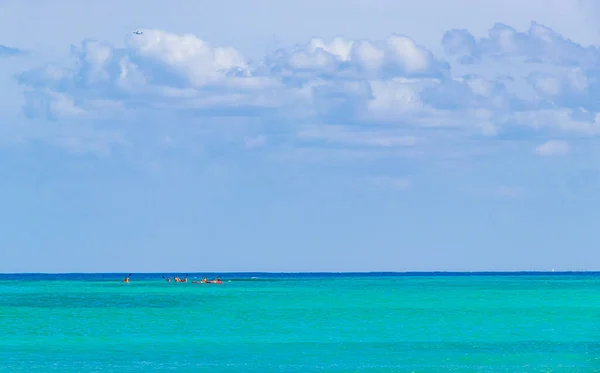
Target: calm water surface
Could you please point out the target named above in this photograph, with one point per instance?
(301, 323)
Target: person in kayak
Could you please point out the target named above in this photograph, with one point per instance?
(126, 279)
(177, 279)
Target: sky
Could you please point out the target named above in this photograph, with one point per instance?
(299, 136)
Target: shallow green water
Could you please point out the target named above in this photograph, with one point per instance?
(332, 324)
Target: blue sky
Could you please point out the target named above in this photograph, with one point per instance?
(299, 136)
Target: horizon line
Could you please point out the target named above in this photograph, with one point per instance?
(318, 272)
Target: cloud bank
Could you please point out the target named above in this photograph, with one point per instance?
(391, 93)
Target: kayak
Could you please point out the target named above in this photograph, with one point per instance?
(207, 282)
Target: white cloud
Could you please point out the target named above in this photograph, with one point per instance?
(540, 44)
(384, 88)
(186, 55)
(552, 147)
(398, 55)
(565, 121)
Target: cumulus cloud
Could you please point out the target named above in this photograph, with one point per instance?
(396, 56)
(368, 93)
(552, 147)
(157, 69)
(540, 44)
(194, 60)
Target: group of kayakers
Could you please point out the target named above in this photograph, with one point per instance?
(176, 279)
(184, 279)
(205, 281)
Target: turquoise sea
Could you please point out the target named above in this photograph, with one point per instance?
(378, 322)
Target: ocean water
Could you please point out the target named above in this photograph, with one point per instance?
(301, 323)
